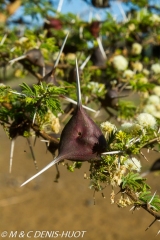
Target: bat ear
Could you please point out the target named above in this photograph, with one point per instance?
(79, 99)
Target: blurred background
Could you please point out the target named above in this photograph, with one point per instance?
(69, 205)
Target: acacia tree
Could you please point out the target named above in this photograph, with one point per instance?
(123, 62)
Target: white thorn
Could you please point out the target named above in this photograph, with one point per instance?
(79, 99)
(43, 140)
(98, 17)
(113, 152)
(97, 113)
(152, 198)
(85, 62)
(17, 59)
(60, 6)
(158, 233)
(43, 71)
(11, 154)
(74, 102)
(21, 94)
(3, 39)
(145, 173)
(34, 117)
(101, 48)
(125, 19)
(43, 170)
(61, 50)
(132, 208)
(81, 32)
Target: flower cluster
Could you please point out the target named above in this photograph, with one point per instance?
(108, 128)
(50, 123)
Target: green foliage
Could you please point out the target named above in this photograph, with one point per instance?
(134, 182)
(127, 109)
(75, 165)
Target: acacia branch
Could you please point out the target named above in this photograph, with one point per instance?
(35, 127)
(147, 207)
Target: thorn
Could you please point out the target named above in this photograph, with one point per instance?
(43, 71)
(32, 153)
(132, 141)
(85, 62)
(46, 141)
(119, 162)
(113, 152)
(125, 19)
(152, 198)
(103, 195)
(58, 174)
(3, 39)
(81, 32)
(43, 170)
(158, 233)
(17, 59)
(35, 139)
(101, 48)
(66, 116)
(151, 224)
(61, 50)
(34, 117)
(90, 16)
(74, 102)
(97, 113)
(145, 173)
(132, 209)
(94, 198)
(60, 6)
(11, 154)
(21, 94)
(143, 156)
(79, 98)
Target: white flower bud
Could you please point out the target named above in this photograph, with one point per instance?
(136, 48)
(149, 108)
(146, 120)
(132, 27)
(71, 56)
(145, 71)
(156, 90)
(128, 74)
(143, 80)
(154, 99)
(137, 66)
(155, 68)
(120, 62)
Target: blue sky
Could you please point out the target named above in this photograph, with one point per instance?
(85, 10)
(81, 8)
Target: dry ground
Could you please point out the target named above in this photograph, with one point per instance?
(64, 206)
